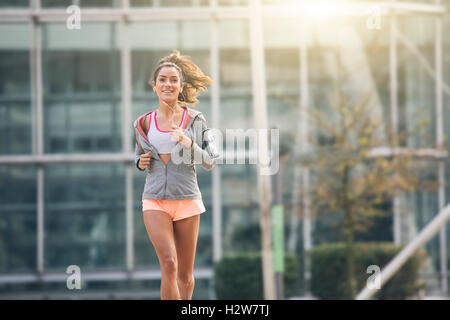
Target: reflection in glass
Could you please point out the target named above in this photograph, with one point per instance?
(240, 209)
(416, 92)
(84, 216)
(17, 219)
(169, 3)
(82, 101)
(81, 3)
(13, 3)
(347, 58)
(417, 209)
(15, 90)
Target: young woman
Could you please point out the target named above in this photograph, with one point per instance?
(171, 201)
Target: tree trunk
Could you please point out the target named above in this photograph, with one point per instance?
(349, 234)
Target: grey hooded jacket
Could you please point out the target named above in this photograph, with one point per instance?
(176, 180)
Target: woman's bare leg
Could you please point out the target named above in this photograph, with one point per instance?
(159, 227)
(186, 234)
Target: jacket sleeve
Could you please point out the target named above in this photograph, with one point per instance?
(203, 148)
(138, 151)
(202, 151)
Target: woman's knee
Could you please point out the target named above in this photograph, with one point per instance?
(185, 279)
(169, 265)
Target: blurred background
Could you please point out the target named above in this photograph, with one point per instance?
(69, 190)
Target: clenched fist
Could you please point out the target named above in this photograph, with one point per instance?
(145, 160)
(178, 135)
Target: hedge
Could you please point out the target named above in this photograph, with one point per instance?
(238, 276)
(329, 278)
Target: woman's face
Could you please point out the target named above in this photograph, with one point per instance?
(168, 84)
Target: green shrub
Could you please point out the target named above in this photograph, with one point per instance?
(238, 276)
(329, 278)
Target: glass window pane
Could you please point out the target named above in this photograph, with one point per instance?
(235, 75)
(82, 100)
(14, 3)
(228, 3)
(18, 242)
(15, 89)
(84, 216)
(416, 90)
(169, 3)
(282, 62)
(56, 3)
(282, 73)
(100, 3)
(240, 209)
(345, 57)
(417, 209)
(81, 3)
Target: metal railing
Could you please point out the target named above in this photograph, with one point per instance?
(423, 237)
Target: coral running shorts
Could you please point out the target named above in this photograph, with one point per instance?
(176, 209)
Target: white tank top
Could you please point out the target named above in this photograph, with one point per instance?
(159, 138)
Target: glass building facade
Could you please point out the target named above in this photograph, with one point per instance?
(69, 191)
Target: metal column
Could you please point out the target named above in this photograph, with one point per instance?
(37, 125)
(126, 133)
(215, 102)
(394, 115)
(304, 101)
(261, 123)
(439, 145)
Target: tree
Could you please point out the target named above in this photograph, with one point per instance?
(349, 178)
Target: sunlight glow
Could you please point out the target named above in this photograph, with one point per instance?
(329, 8)
(326, 9)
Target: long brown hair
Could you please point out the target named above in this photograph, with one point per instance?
(191, 75)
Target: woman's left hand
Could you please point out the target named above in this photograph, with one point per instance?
(178, 135)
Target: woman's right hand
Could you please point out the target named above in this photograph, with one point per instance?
(145, 160)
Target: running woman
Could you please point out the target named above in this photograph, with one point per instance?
(171, 200)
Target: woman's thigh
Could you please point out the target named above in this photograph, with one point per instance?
(159, 227)
(186, 234)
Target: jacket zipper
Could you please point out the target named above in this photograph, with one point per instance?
(165, 186)
(165, 165)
